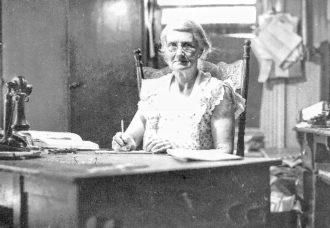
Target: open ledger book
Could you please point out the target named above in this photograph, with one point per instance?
(58, 140)
(201, 155)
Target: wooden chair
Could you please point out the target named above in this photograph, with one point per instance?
(237, 73)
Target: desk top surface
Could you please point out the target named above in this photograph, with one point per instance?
(315, 130)
(89, 164)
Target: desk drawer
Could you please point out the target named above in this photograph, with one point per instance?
(203, 198)
(315, 149)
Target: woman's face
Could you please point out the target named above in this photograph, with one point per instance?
(181, 51)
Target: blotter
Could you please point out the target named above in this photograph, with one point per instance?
(201, 155)
(108, 151)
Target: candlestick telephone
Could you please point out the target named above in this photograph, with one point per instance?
(18, 91)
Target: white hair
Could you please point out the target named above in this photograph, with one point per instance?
(187, 25)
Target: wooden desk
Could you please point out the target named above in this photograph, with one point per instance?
(137, 190)
(314, 143)
(315, 153)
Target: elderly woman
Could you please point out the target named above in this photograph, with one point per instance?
(186, 108)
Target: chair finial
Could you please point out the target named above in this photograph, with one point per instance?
(246, 49)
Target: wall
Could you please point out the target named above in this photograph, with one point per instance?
(228, 48)
(282, 99)
(101, 60)
(34, 45)
(59, 43)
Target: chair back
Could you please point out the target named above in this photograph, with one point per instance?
(244, 93)
(236, 74)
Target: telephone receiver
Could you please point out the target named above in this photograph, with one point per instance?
(18, 91)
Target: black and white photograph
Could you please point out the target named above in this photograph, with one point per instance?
(165, 114)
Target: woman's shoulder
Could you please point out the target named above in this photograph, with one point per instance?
(207, 81)
(211, 88)
(217, 90)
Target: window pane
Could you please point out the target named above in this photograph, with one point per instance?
(213, 15)
(204, 2)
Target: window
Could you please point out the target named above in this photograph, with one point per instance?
(210, 11)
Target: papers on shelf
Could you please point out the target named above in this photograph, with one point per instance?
(318, 109)
(201, 155)
(324, 173)
(277, 46)
(58, 140)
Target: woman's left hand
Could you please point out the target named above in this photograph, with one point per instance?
(158, 146)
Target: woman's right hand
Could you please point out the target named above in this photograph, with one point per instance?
(123, 142)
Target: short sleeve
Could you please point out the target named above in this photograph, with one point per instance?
(232, 73)
(239, 102)
(217, 91)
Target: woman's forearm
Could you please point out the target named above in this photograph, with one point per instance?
(136, 129)
(223, 125)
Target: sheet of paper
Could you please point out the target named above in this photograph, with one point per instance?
(202, 155)
(281, 41)
(103, 151)
(313, 111)
(266, 67)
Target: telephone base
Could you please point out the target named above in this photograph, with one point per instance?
(5, 148)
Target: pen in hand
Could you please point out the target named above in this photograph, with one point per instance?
(122, 133)
(122, 126)
(127, 141)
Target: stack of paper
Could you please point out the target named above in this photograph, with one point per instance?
(201, 155)
(318, 109)
(278, 47)
(58, 140)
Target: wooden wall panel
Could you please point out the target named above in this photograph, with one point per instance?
(280, 106)
(34, 45)
(273, 111)
(229, 49)
(281, 101)
(320, 22)
(302, 94)
(55, 43)
(101, 60)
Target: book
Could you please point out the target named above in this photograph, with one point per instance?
(58, 140)
(201, 155)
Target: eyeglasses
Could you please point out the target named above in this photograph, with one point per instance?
(186, 47)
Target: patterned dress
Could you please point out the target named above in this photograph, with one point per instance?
(186, 122)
